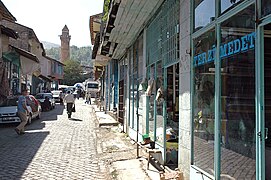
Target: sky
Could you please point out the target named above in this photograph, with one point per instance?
(48, 17)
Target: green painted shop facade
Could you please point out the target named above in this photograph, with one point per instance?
(230, 88)
(196, 80)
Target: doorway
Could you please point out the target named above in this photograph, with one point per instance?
(121, 102)
(172, 105)
(267, 99)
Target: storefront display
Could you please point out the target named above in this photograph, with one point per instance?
(229, 4)
(238, 97)
(230, 132)
(204, 109)
(172, 128)
(266, 7)
(204, 12)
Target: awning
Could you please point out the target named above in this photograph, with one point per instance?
(101, 60)
(26, 54)
(45, 78)
(11, 57)
(52, 59)
(125, 23)
(29, 62)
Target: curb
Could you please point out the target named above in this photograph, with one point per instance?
(108, 124)
(99, 119)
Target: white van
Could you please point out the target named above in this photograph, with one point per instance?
(92, 87)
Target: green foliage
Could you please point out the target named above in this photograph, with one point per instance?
(106, 10)
(80, 54)
(53, 52)
(72, 73)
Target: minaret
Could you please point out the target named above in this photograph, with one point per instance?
(65, 44)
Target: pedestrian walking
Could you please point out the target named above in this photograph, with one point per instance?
(70, 103)
(89, 98)
(87, 94)
(22, 112)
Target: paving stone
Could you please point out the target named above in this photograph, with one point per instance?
(53, 147)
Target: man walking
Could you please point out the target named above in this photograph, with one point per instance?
(69, 99)
(22, 112)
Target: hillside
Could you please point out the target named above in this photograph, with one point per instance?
(49, 45)
(80, 54)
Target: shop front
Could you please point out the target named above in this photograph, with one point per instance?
(136, 121)
(111, 85)
(230, 95)
(122, 90)
(162, 62)
(12, 71)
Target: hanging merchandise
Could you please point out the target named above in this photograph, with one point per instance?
(151, 84)
(159, 96)
(143, 85)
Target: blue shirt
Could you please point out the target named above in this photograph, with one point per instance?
(21, 102)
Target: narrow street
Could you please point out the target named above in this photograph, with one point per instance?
(53, 147)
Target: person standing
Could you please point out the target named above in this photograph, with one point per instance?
(69, 99)
(22, 112)
(89, 98)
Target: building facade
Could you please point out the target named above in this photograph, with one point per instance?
(193, 75)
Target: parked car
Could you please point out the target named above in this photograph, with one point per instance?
(41, 98)
(58, 96)
(9, 111)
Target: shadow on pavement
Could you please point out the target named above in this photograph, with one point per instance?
(17, 152)
(74, 119)
(52, 115)
(35, 126)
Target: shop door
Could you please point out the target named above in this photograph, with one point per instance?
(263, 100)
(267, 99)
(121, 102)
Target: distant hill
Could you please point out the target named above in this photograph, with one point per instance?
(80, 54)
(49, 45)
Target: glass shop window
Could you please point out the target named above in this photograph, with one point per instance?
(228, 4)
(15, 71)
(203, 102)
(204, 13)
(238, 96)
(266, 7)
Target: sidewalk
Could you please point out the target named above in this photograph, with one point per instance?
(104, 119)
(119, 151)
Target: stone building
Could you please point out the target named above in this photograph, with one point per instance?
(65, 44)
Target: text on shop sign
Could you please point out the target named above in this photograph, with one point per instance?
(233, 47)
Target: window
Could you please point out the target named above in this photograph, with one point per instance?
(204, 13)
(238, 96)
(228, 4)
(131, 88)
(266, 7)
(203, 102)
(9, 102)
(93, 85)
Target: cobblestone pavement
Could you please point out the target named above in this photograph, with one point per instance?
(53, 148)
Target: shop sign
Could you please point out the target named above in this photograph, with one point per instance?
(231, 48)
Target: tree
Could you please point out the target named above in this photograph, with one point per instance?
(80, 54)
(72, 73)
(53, 52)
